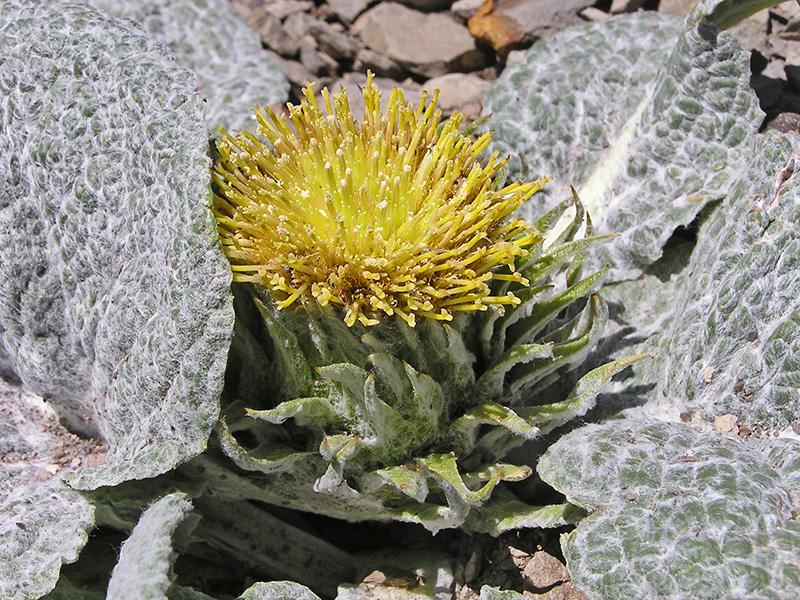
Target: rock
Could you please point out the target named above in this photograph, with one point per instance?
(520, 558)
(316, 61)
(565, 591)
(507, 24)
(626, 6)
(276, 38)
(298, 25)
(516, 56)
(335, 43)
(348, 10)
(464, 9)
(786, 23)
(543, 571)
(677, 7)
(379, 64)
(425, 44)
(790, 50)
(752, 32)
(255, 11)
(725, 423)
(594, 14)
(428, 5)
(329, 39)
(458, 91)
(284, 8)
(266, 20)
(353, 83)
(775, 69)
(296, 73)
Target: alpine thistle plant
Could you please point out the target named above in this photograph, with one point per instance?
(398, 330)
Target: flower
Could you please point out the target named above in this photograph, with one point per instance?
(392, 215)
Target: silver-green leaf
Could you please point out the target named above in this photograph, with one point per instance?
(114, 296)
(675, 512)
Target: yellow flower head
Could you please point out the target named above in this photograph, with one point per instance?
(391, 215)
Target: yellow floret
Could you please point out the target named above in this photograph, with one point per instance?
(394, 215)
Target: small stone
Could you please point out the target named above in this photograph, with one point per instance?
(626, 6)
(796, 427)
(677, 7)
(594, 14)
(785, 122)
(316, 61)
(457, 90)
(565, 591)
(708, 374)
(516, 56)
(52, 469)
(775, 69)
(543, 571)
(752, 32)
(745, 432)
(298, 25)
(276, 38)
(464, 9)
(297, 74)
(379, 64)
(348, 10)
(508, 24)
(725, 423)
(686, 416)
(425, 44)
(519, 557)
(335, 43)
(473, 566)
(284, 8)
(75, 462)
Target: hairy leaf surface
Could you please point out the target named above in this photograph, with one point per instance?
(114, 299)
(234, 72)
(675, 513)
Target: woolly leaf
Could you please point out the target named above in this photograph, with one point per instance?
(650, 119)
(674, 510)
(722, 322)
(733, 344)
(113, 287)
(278, 590)
(209, 38)
(507, 512)
(144, 569)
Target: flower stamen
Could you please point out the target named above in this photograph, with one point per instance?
(392, 215)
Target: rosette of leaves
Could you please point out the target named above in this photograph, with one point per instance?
(396, 333)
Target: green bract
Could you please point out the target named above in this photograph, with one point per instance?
(412, 423)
